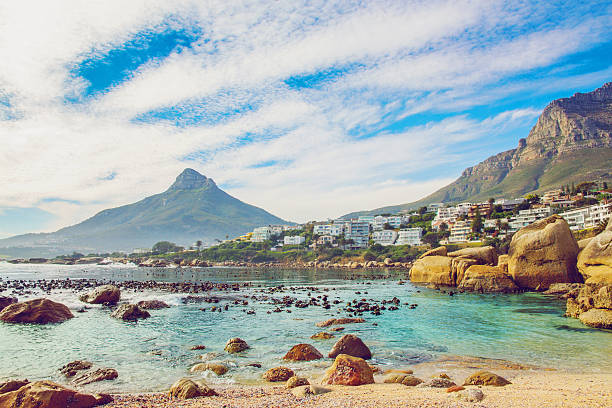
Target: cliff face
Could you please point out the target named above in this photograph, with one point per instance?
(571, 142)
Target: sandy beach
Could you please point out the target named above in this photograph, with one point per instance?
(528, 389)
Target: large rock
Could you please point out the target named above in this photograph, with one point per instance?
(439, 251)
(13, 385)
(485, 278)
(351, 345)
(152, 304)
(103, 294)
(458, 268)
(599, 318)
(502, 263)
(486, 378)
(236, 345)
(72, 368)
(432, 269)
(186, 389)
(278, 374)
(100, 374)
(543, 253)
(6, 300)
(39, 311)
(303, 352)
(595, 260)
(404, 379)
(216, 368)
(296, 381)
(46, 394)
(349, 370)
(130, 313)
(486, 255)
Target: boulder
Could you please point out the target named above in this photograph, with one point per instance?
(439, 251)
(38, 311)
(486, 378)
(603, 298)
(432, 269)
(303, 352)
(595, 260)
(152, 304)
(485, 278)
(296, 382)
(13, 385)
(236, 345)
(322, 336)
(598, 318)
(101, 374)
(583, 243)
(278, 374)
(6, 300)
(342, 320)
(502, 262)
(543, 253)
(351, 345)
(458, 268)
(486, 255)
(46, 394)
(405, 379)
(71, 369)
(349, 370)
(102, 294)
(216, 368)
(130, 313)
(186, 389)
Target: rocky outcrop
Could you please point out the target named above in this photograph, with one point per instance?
(6, 300)
(100, 374)
(434, 269)
(598, 318)
(216, 368)
(108, 294)
(13, 385)
(486, 255)
(595, 260)
(322, 336)
(348, 370)
(339, 321)
(484, 278)
(593, 306)
(46, 394)
(486, 378)
(543, 253)
(236, 345)
(38, 311)
(303, 352)
(187, 389)
(152, 304)
(72, 368)
(439, 251)
(130, 313)
(351, 345)
(278, 374)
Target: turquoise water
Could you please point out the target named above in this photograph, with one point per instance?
(153, 353)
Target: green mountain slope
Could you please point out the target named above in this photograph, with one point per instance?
(570, 143)
(192, 208)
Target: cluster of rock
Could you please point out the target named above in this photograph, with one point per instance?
(46, 394)
(387, 263)
(162, 263)
(592, 304)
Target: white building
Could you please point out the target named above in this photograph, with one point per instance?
(366, 218)
(261, 234)
(329, 229)
(294, 240)
(587, 217)
(409, 236)
(395, 221)
(276, 229)
(325, 239)
(384, 237)
(526, 217)
(359, 232)
(433, 207)
(460, 232)
(447, 214)
(508, 204)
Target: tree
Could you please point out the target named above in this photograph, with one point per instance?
(477, 223)
(443, 226)
(163, 247)
(431, 238)
(422, 210)
(387, 226)
(491, 201)
(605, 185)
(198, 245)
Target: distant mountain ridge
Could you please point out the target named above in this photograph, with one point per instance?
(571, 142)
(192, 208)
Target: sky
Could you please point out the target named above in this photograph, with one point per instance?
(309, 109)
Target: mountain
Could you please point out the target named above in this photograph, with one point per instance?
(570, 143)
(193, 208)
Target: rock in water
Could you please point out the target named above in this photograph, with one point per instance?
(349, 370)
(101, 374)
(103, 294)
(598, 318)
(432, 269)
(14, 385)
(484, 278)
(39, 311)
(486, 378)
(595, 260)
(46, 394)
(351, 345)
(236, 345)
(152, 304)
(486, 255)
(70, 369)
(186, 389)
(216, 368)
(303, 352)
(278, 374)
(296, 382)
(322, 336)
(130, 313)
(543, 253)
(6, 300)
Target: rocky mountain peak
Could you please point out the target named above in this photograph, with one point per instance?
(190, 179)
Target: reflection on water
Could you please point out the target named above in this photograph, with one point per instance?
(153, 353)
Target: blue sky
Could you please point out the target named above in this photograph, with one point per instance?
(307, 109)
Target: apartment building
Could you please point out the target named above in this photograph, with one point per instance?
(587, 217)
(394, 221)
(460, 232)
(359, 232)
(261, 234)
(409, 236)
(294, 240)
(334, 230)
(526, 217)
(384, 237)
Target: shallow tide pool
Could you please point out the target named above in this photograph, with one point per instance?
(151, 354)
